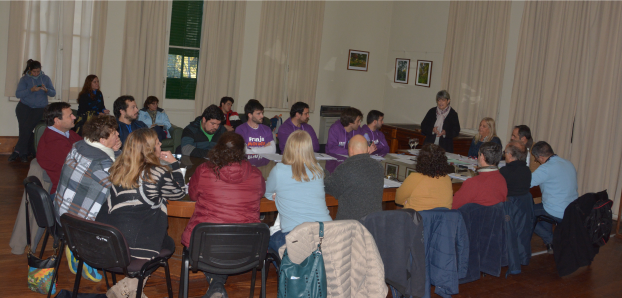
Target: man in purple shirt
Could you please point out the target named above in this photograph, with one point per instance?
(343, 130)
(257, 136)
(298, 119)
(371, 132)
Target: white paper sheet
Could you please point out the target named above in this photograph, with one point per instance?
(458, 176)
(271, 156)
(376, 157)
(391, 183)
(323, 156)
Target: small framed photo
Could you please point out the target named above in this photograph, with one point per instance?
(424, 73)
(410, 171)
(391, 169)
(402, 71)
(358, 60)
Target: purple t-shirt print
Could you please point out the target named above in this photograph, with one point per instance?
(258, 137)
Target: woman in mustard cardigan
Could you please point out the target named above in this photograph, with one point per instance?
(430, 187)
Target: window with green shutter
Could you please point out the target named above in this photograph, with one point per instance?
(184, 47)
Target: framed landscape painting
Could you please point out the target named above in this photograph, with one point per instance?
(358, 60)
(424, 73)
(402, 71)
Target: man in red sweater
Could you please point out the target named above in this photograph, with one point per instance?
(56, 141)
(488, 187)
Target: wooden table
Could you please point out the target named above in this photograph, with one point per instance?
(397, 136)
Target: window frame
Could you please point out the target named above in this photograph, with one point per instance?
(181, 104)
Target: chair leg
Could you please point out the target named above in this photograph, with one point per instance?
(106, 278)
(45, 242)
(139, 288)
(253, 282)
(76, 284)
(59, 259)
(168, 279)
(183, 276)
(264, 276)
(114, 278)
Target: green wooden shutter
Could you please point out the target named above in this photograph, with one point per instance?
(182, 65)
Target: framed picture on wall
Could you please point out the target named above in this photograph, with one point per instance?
(424, 73)
(358, 60)
(402, 71)
(391, 170)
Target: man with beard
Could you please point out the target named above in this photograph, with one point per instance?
(371, 132)
(126, 112)
(202, 134)
(257, 136)
(298, 118)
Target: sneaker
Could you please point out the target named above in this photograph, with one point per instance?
(549, 249)
(216, 290)
(13, 156)
(73, 262)
(91, 273)
(23, 158)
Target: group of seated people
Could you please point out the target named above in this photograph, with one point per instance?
(116, 173)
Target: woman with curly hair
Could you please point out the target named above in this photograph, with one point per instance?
(227, 189)
(430, 187)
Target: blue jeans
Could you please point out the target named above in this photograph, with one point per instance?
(543, 228)
(277, 240)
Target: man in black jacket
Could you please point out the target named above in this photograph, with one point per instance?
(202, 134)
(516, 172)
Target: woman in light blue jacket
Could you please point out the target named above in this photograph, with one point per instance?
(155, 118)
(297, 187)
(33, 90)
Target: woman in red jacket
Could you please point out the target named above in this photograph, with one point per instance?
(227, 189)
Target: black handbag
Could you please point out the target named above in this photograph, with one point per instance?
(40, 272)
(306, 280)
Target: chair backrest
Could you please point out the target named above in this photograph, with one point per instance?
(228, 248)
(40, 202)
(99, 245)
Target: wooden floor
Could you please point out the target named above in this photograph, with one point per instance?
(602, 279)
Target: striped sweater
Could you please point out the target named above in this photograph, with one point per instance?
(140, 213)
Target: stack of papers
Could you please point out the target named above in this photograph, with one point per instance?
(391, 183)
(272, 156)
(323, 156)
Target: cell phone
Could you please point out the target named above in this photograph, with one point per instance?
(38, 85)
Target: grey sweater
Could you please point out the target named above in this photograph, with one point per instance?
(358, 186)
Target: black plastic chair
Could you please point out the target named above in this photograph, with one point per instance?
(103, 246)
(226, 249)
(45, 216)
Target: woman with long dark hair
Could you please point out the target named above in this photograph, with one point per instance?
(90, 102)
(227, 189)
(33, 90)
(141, 188)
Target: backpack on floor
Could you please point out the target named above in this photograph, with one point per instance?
(599, 222)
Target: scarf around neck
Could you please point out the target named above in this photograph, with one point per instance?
(101, 147)
(440, 117)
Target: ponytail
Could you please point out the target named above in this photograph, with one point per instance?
(30, 65)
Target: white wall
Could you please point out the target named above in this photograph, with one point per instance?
(347, 25)
(418, 32)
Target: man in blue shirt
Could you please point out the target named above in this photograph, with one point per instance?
(557, 179)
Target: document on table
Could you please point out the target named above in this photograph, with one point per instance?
(271, 156)
(377, 157)
(324, 156)
(459, 176)
(391, 183)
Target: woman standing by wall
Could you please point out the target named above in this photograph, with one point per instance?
(33, 90)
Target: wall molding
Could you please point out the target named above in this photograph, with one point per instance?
(7, 143)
